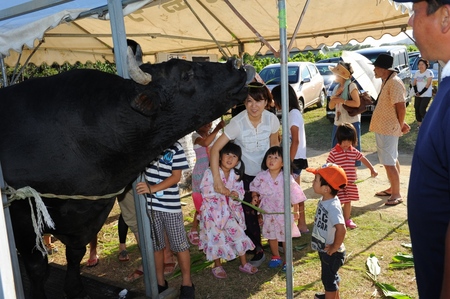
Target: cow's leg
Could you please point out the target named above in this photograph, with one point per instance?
(73, 287)
(35, 264)
(37, 271)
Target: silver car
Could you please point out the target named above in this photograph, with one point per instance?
(303, 77)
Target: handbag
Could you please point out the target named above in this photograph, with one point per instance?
(364, 100)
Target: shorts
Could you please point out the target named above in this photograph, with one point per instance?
(128, 210)
(298, 165)
(173, 225)
(387, 149)
(330, 266)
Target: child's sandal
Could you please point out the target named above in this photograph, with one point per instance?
(219, 272)
(248, 268)
(193, 237)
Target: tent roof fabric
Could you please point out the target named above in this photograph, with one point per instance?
(223, 27)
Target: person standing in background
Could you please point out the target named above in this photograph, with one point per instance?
(345, 93)
(422, 89)
(388, 124)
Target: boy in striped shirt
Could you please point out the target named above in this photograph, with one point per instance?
(164, 208)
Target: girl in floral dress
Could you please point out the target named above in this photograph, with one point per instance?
(222, 222)
(267, 190)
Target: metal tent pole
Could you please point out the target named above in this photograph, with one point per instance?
(119, 37)
(10, 278)
(285, 143)
(145, 240)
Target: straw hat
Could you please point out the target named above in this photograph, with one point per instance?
(340, 70)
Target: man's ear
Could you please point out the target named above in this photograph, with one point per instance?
(445, 18)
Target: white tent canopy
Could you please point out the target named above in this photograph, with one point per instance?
(224, 27)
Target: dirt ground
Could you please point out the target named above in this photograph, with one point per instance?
(114, 271)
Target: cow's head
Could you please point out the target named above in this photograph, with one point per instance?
(173, 85)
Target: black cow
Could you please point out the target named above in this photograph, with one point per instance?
(86, 132)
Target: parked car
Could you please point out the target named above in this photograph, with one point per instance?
(328, 76)
(434, 67)
(304, 77)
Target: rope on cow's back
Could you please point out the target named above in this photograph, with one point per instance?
(42, 214)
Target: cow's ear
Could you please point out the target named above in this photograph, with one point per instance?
(147, 103)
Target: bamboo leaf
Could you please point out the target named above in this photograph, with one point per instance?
(373, 266)
(401, 265)
(391, 292)
(400, 257)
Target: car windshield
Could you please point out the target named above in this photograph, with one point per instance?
(272, 75)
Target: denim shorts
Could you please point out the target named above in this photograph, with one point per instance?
(330, 266)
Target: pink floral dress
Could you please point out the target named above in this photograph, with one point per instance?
(272, 201)
(222, 222)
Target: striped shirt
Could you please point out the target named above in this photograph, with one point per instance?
(168, 200)
(346, 159)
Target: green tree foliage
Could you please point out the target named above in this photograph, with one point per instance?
(44, 70)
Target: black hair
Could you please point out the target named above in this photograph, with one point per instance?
(433, 6)
(346, 131)
(293, 101)
(323, 182)
(259, 92)
(424, 61)
(271, 151)
(234, 149)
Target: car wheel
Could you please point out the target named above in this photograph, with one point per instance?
(301, 105)
(322, 98)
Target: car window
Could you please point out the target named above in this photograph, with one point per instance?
(271, 75)
(305, 73)
(312, 70)
(293, 74)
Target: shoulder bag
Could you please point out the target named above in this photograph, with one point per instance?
(364, 100)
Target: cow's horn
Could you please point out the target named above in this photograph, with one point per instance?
(251, 73)
(135, 71)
